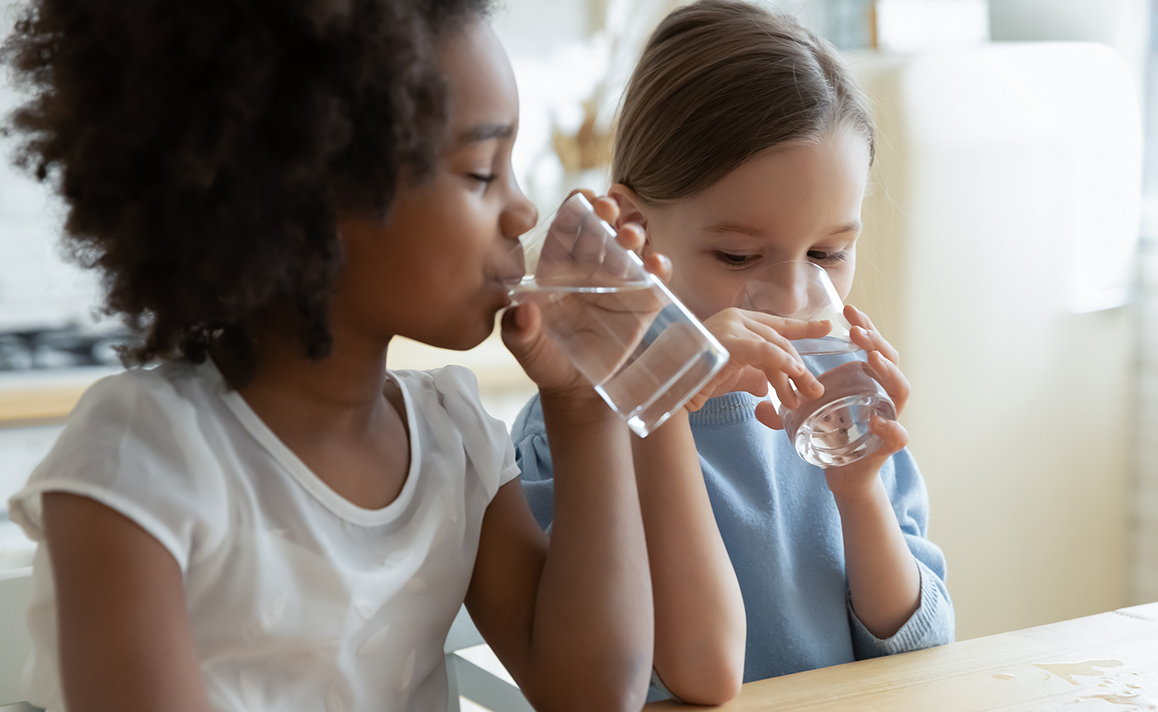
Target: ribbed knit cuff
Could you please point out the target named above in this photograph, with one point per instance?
(726, 409)
(919, 632)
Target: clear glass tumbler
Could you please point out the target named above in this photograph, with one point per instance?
(832, 430)
(619, 325)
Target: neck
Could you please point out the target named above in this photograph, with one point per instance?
(343, 389)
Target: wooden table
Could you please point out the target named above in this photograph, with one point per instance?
(1103, 663)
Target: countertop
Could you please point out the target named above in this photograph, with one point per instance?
(1104, 662)
(40, 397)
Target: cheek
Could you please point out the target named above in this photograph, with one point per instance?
(705, 288)
(842, 278)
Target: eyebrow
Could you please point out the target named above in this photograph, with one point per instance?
(486, 132)
(854, 226)
(737, 228)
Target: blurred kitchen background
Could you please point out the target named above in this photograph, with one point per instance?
(1010, 253)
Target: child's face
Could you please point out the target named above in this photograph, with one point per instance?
(433, 270)
(797, 202)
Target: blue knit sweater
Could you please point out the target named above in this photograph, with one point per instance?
(782, 531)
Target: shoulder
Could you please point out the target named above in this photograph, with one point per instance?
(137, 443)
(448, 400)
(451, 389)
(151, 410)
(172, 390)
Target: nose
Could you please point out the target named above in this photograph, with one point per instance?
(519, 216)
(784, 289)
(791, 296)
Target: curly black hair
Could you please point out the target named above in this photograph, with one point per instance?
(205, 148)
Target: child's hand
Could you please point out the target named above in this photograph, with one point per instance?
(856, 480)
(761, 355)
(540, 357)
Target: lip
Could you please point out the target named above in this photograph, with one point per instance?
(504, 292)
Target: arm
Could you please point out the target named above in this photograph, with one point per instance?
(883, 578)
(572, 621)
(121, 610)
(700, 626)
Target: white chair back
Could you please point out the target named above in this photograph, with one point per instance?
(15, 645)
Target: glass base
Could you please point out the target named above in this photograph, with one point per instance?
(838, 433)
(671, 396)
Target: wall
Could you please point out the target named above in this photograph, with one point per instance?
(37, 287)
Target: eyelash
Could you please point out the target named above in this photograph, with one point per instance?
(487, 179)
(829, 256)
(733, 260)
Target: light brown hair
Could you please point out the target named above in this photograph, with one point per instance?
(719, 82)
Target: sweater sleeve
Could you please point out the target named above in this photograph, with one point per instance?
(933, 622)
(533, 456)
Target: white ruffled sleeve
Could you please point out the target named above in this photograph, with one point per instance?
(135, 444)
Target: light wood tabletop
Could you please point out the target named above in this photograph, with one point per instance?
(1102, 663)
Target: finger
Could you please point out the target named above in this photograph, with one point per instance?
(893, 435)
(619, 264)
(807, 384)
(766, 414)
(892, 378)
(790, 328)
(659, 265)
(632, 237)
(858, 318)
(855, 316)
(521, 327)
(873, 341)
(751, 380)
(591, 243)
(585, 192)
(772, 360)
(697, 401)
(606, 208)
(785, 393)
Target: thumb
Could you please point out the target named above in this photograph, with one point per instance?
(520, 328)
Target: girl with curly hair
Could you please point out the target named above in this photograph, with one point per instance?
(269, 518)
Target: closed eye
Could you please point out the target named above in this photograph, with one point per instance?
(483, 178)
(734, 260)
(828, 257)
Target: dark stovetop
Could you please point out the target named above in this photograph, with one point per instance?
(58, 348)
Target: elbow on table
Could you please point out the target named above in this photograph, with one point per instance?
(625, 691)
(706, 680)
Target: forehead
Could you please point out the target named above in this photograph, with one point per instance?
(479, 76)
(793, 189)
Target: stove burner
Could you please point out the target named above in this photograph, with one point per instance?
(68, 347)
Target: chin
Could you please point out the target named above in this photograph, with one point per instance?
(462, 337)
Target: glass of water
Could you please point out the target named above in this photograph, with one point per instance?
(832, 430)
(642, 350)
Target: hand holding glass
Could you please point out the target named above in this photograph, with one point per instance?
(832, 430)
(618, 324)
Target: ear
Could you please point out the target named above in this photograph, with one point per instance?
(631, 208)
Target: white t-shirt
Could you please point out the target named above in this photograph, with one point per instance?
(297, 598)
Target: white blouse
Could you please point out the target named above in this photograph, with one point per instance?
(297, 598)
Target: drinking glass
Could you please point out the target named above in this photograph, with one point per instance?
(641, 349)
(832, 430)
